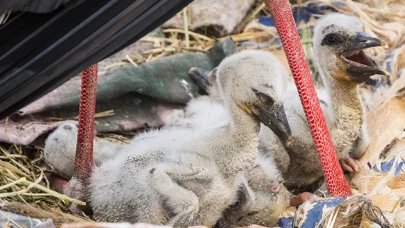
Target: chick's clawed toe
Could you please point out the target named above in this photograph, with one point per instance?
(350, 165)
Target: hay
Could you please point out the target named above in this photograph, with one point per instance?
(378, 199)
(25, 189)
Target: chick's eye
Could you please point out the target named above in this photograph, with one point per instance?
(266, 99)
(263, 97)
(332, 39)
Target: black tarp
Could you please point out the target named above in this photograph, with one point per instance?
(41, 51)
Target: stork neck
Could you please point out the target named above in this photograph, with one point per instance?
(242, 143)
(348, 114)
(344, 93)
(243, 125)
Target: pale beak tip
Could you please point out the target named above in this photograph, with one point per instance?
(384, 44)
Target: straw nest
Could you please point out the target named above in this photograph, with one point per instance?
(25, 189)
(24, 175)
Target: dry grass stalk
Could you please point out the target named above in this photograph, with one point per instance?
(22, 179)
(186, 32)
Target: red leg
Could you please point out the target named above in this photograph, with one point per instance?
(87, 109)
(283, 18)
(77, 186)
(58, 183)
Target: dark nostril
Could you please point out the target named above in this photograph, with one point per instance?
(67, 127)
(151, 171)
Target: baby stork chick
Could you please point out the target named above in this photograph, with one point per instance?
(259, 200)
(296, 161)
(338, 45)
(339, 42)
(60, 149)
(185, 176)
(270, 146)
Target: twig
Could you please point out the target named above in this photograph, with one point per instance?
(23, 168)
(115, 65)
(12, 183)
(100, 114)
(53, 193)
(131, 61)
(6, 127)
(10, 175)
(159, 50)
(252, 15)
(35, 194)
(186, 32)
(189, 32)
(36, 185)
(9, 166)
(10, 194)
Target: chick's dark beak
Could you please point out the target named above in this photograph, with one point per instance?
(201, 76)
(275, 118)
(360, 65)
(363, 41)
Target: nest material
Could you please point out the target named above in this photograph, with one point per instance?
(385, 191)
(25, 188)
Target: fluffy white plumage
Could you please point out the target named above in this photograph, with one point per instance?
(186, 175)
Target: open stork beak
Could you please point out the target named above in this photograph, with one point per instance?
(361, 66)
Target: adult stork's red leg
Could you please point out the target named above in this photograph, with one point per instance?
(78, 185)
(283, 18)
(87, 109)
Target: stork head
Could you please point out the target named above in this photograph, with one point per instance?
(339, 42)
(254, 81)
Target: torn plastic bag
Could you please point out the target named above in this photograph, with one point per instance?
(42, 51)
(8, 219)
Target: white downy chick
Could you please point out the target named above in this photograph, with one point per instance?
(184, 176)
(60, 149)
